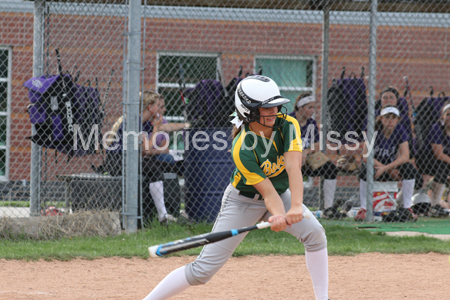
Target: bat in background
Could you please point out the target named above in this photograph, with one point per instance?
(204, 239)
(107, 91)
(408, 92)
(182, 84)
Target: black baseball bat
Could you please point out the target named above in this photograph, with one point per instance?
(182, 84)
(408, 91)
(58, 58)
(77, 76)
(107, 90)
(203, 239)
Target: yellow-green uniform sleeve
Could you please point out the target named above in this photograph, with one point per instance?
(246, 162)
(292, 135)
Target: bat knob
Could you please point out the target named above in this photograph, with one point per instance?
(153, 251)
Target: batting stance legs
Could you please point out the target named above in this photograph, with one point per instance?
(239, 211)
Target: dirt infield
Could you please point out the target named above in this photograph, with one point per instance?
(365, 276)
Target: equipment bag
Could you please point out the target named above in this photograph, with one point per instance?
(58, 106)
(210, 104)
(203, 103)
(347, 105)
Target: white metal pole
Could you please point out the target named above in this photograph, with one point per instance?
(371, 105)
(38, 70)
(324, 98)
(132, 117)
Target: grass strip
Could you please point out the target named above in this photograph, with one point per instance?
(342, 240)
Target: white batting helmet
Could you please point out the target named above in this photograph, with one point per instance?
(254, 92)
(420, 203)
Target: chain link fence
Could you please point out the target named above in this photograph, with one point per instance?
(192, 55)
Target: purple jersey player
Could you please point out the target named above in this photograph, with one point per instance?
(390, 159)
(434, 160)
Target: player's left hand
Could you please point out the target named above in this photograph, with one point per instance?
(294, 215)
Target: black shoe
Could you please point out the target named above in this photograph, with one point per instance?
(438, 212)
(332, 213)
(168, 218)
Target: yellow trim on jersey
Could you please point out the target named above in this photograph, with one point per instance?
(237, 179)
(252, 178)
(281, 133)
(256, 156)
(277, 173)
(276, 148)
(295, 145)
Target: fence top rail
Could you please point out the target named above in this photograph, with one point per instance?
(429, 6)
(432, 16)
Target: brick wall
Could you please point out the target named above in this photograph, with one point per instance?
(417, 52)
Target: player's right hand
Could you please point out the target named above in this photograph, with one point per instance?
(278, 223)
(380, 171)
(158, 120)
(295, 214)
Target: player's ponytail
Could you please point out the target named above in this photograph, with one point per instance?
(236, 130)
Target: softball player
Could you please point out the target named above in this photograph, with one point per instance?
(434, 160)
(303, 109)
(266, 185)
(391, 159)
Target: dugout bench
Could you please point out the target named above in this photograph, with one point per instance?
(93, 191)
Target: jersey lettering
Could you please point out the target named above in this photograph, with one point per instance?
(272, 168)
(385, 153)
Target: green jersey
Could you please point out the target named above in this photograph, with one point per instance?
(257, 157)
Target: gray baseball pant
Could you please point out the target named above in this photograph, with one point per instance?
(238, 211)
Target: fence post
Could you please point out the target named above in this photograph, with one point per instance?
(38, 69)
(324, 94)
(132, 116)
(371, 105)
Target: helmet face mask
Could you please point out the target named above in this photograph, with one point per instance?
(281, 109)
(258, 91)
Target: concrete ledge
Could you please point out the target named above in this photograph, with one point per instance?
(14, 212)
(86, 223)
